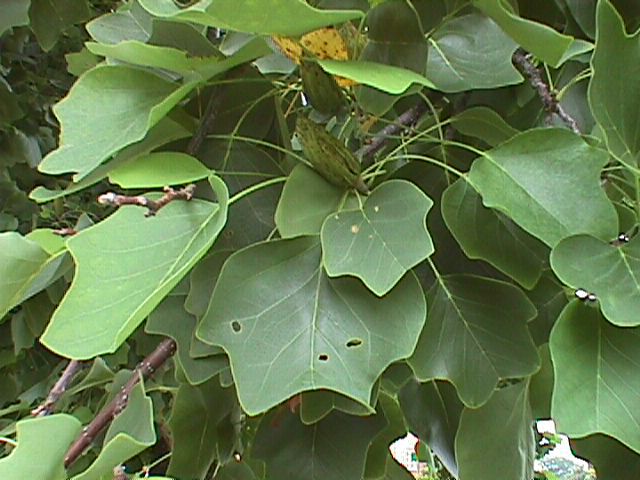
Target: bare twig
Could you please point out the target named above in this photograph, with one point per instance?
(523, 62)
(405, 120)
(65, 232)
(111, 198)
(143, 370)
(61, 386)
(206, 123)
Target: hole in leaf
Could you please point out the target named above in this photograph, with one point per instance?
(354, 342)
(323, 357)
(235, 325)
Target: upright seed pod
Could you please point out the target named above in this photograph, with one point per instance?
(321, 89)
(330, 158)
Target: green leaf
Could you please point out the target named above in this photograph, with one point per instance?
(15, 13)
(317, 404)
(548, 181)
(611, 459)
(488, 235)
(50, 18)
(288, 328)
(541, 385)
(610, 272)
(165, 131)
(476, 335)
(136, 100)
(332, 449)
(130, 433)
(34, 458)
(384, 77)
(158, 170)
(306, 200)
(130, 22)
(140, 261)
(484, 124)
(541, 40)
(596, 383)
(172, 320)
(267, 17)
(471, 52)
(382, 240)
(433, 412)
(506, 421)
(21, 260)
(614, 100)
(194, 427)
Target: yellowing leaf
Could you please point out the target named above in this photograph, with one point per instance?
(324, 43)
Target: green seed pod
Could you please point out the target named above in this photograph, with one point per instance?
(329, 157)
(321, 89)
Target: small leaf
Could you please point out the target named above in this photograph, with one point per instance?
(130, 433)
(141, 260)
(15, 13)
(381, 241)
(548, 181)
(491, 236)
(127, 23)
(540, 39)
(611, 273)
(288, 328)
(50, 18)
(34, 458)
(611, 459)
(614, 100)
(596, 382)
(507, 421)
(306, 200)
(333, 449)
(476, 335)
(462, 48)
(384, 77)
(484, 124)
(158, 170)
(266, 17)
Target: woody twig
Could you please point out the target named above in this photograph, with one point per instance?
(61, 386)
(524, 62)
(143, 370)
(113, 199)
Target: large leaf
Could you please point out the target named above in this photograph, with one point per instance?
(382, 240)
(35, 458)
(596, 381)
(475, 336)
(136, 100)
(195, 416)
(611, 459)
(307, 199)
(484, 124)
(387, 78)
(332, 449)
(130, 433)
(140, 261)
(269, 17)
(541, 40)
(14, 13)
(610, 272)
(506, 421)
(491, 236)
(21, 260)
(129, 22)
(288, 328)
(471, 52)
(548, 182)
(614, 100)
(159, 169)
(49, 18)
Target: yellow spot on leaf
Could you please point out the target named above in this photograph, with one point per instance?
(355, 229)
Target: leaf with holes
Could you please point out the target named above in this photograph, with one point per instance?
(596, 376)
(610, 272)
(382, 240)
(476, 335)
(548, 181)
(288, 328)
(112, 293)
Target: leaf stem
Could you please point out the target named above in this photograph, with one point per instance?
(8, 441)
(256, 187)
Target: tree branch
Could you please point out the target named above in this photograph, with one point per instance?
(522, 61)
(111, 198)
(407, 119)
(143, 370)
(61, 386)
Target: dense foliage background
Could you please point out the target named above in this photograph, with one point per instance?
(379, 217)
